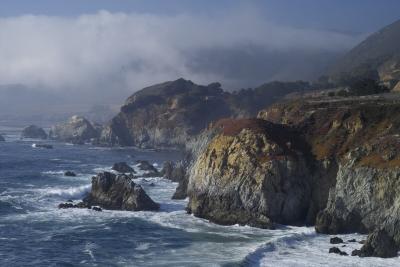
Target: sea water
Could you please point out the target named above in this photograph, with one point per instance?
(34, 232)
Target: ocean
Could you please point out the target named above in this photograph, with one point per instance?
(34, 232)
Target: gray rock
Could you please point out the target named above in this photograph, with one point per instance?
(248, 174)
(118, 192)
(77, 130)
(379, 244)
(144, 165)
(34, 132)
(337, 251)
(336, 240)
(123, 167)
(70, 173)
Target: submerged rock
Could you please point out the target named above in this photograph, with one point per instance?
(118, 192)
(34, 132)
(77, 130)
(70, 173)
(42, 146)
(123, 167)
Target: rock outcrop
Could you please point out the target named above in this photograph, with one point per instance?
(360, 137)
(253, 172)
(77, 130)
(34, 132)
(171, 113)
(118, 192)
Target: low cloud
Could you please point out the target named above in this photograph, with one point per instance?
(109, 55)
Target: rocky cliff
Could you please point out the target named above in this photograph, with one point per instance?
(252, 172)
(330, 162)
(76, 130)
(169, 114)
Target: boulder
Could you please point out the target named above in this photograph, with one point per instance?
(122, 167)
(336, 240)
(118, 192)
(77, 130)
(144, 165)
(70, 173)
(379, 244)
(337, 251)
(34, 132)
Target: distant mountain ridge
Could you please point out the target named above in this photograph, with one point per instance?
(376, 57)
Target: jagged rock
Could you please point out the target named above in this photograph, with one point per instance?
(70, 173)
(336, 240)
(337, 251)
(173, 172)
(118, 192)
(253, 172)
(77, 130)
(2, 139)
(122, 167)
(355, 252)
(379, 244)
(181, 189)
(144, 165)
(70, 205)
(34, 132)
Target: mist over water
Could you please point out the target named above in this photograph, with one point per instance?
(52, 64)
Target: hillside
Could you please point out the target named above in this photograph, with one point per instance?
(377, 57)
(170, 113)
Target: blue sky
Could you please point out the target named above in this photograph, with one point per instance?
(341, 15)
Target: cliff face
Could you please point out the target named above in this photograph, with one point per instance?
(169, 114)
(252, 172)
(362, 138)
(330, 162)
(166, 114)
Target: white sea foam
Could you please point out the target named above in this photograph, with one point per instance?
(70, 192)
(303, 247)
